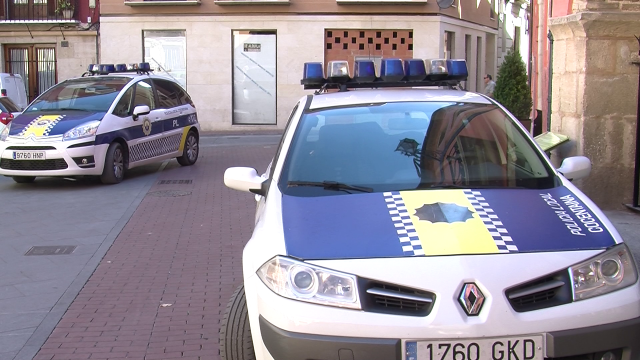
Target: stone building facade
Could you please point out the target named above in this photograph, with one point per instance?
(595, 93)
(242, 60)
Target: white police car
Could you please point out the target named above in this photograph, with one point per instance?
(113, 118)
(424, 224)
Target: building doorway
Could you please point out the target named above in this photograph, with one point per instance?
(35, 63)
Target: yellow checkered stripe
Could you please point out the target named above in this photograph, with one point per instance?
(481, 232)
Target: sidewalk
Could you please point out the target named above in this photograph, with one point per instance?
(161, 289)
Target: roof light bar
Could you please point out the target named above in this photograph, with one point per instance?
(105, 69)
(338, 71)
(457, 69)
(393, 73)
(391, 70)
(437, 69)
(313, 73)
(415, 70)
(364, 70)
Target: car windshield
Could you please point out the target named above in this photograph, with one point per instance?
(410, 145)
(86, 94)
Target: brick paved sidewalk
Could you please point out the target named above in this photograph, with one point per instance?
(160, 290)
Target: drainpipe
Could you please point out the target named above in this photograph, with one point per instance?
(636, 170)
(550, 36)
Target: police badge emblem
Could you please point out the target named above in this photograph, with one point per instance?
(146, 126)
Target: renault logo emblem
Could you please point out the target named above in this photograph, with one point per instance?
(471, 299)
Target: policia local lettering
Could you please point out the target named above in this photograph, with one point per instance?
(578, 210)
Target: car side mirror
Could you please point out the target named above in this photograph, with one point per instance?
(140, 110)
(575, 167)
(245, 179)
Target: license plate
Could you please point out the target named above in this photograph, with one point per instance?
(508, 348)
(29, 155)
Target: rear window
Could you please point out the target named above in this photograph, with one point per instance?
(412, 145)
(7, 105)
(86, 94)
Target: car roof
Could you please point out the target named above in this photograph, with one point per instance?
(368, 96)
(130, 75)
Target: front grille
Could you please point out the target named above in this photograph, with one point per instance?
(394, 299)
(30, 148)
(592, 356)
(541, 293)
(33, 165)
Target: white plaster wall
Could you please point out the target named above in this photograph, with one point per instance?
(510, 22)
(299, 39)
(461, 29)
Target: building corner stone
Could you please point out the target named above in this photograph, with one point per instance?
(596, 89)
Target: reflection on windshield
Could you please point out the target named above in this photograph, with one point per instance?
(87, 94)
(400, 146)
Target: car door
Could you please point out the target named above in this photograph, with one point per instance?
(145, 132)
(176, 112)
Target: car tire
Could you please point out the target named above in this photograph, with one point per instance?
(235, 334)
(24, 179)
(190, 151)
(113, 171)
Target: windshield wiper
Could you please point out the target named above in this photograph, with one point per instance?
(453, 186)
(64, 109)
(330, 185)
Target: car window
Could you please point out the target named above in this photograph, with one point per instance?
(284, 135)
(143, 95)
(398, 146)
(8, 105)
(85, 94)
(167, 94)
(183, 97)
(123, 108)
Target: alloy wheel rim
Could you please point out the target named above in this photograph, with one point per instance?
(118, 163)
(192, 148)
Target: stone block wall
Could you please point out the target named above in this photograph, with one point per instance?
(595, 96)
(605, 5)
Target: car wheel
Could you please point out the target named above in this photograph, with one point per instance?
(24, 179)
(235, 334)
(113, 172)
(190, 152)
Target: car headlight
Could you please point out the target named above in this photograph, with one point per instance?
(300, 281)
(81, 131)
(5, 132)
(610, 271)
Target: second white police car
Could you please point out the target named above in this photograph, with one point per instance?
(113, 118)
(424, 224)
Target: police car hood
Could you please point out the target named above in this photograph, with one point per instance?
(50, 123)
(440, 222)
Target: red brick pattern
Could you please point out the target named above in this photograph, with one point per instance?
(160, 290)
(346, 44)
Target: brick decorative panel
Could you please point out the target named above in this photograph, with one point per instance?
(346, 44)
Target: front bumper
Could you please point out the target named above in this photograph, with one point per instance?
(63, 158)
(578, 343)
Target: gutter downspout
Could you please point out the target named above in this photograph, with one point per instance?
(550, 37)
(636, 173)
(531, 77)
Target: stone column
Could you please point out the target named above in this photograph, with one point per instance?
(595, 94)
